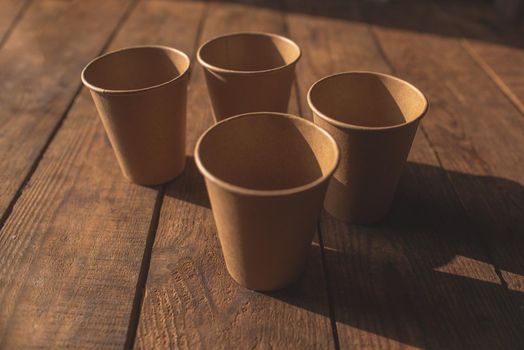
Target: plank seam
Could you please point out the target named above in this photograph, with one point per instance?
(506, 91)
(13, 24)
(499, 82)
(144, 271)
(54, 131)
(482, 242)
(141, 285)
(285, 29)
(198, 37)
(331, 306)
(486, 67)
(388, 62)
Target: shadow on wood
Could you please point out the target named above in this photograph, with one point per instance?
(463, 18)
(421, 277)
(489, 211)
(189, 186)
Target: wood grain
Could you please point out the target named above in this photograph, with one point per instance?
(388, 282)
(474, 130)
(72, 249)
(191, 302)
(475, 133)
(353, 257)
(10, 12)
(444, 270)
(493, 42)
(39, 75)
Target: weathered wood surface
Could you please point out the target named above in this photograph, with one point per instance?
(71, 251)
(191, 302)
(476, 134)
(10, 13)
(496, 45)
(89, 260)
(39, 70)
(474, 129)
(389, 279)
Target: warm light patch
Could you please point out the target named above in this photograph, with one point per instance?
(470, 268)
(515, 281)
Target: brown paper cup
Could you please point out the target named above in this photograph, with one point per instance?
(140, 95)
(266, 176)
(374, 118)
(248, 72)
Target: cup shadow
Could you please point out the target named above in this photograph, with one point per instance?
(427, 275)
(475, 19)
(189, 186)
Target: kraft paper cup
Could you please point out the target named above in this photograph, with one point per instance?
(266, 175)
(374, 118)
(248, 72)
(140, 94)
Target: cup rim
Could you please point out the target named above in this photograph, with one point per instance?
(344, 125)
(266, 193)
(236, 71)
(130, 91)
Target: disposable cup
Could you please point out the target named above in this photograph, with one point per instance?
(266, 175)
(140, 94)
(374, 118)
(248, 72)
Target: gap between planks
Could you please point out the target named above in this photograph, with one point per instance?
(483, 244)
(490, 72)
(329, 293)
(60, 122)
(140, 290)
(16, 19)
(144, 271)
(486, 67)
(158, 203)
(331, 304)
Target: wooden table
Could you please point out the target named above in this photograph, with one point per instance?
(89, 260)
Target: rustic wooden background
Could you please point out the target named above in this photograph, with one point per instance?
(89, 260)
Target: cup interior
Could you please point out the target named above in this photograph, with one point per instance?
(267, 151)
(367, 99)
(249, 52)
(135, 68)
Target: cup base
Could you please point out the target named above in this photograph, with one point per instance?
(263, 289)
(158, 181)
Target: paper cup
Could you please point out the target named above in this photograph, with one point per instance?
(248, 72)
(140, 94)
(374, 118)
(266, 175)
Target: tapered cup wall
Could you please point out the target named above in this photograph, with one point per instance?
(374, 118)
(248, 72)
(140, 94)
(266, 176)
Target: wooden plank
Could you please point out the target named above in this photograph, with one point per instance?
(388, 281)
(318, 31)
(191, 302)
(39, 69)
(10, 12)
(476, 134)
(496, 45)
(474, 129)
(363, 317)
(72, 251)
